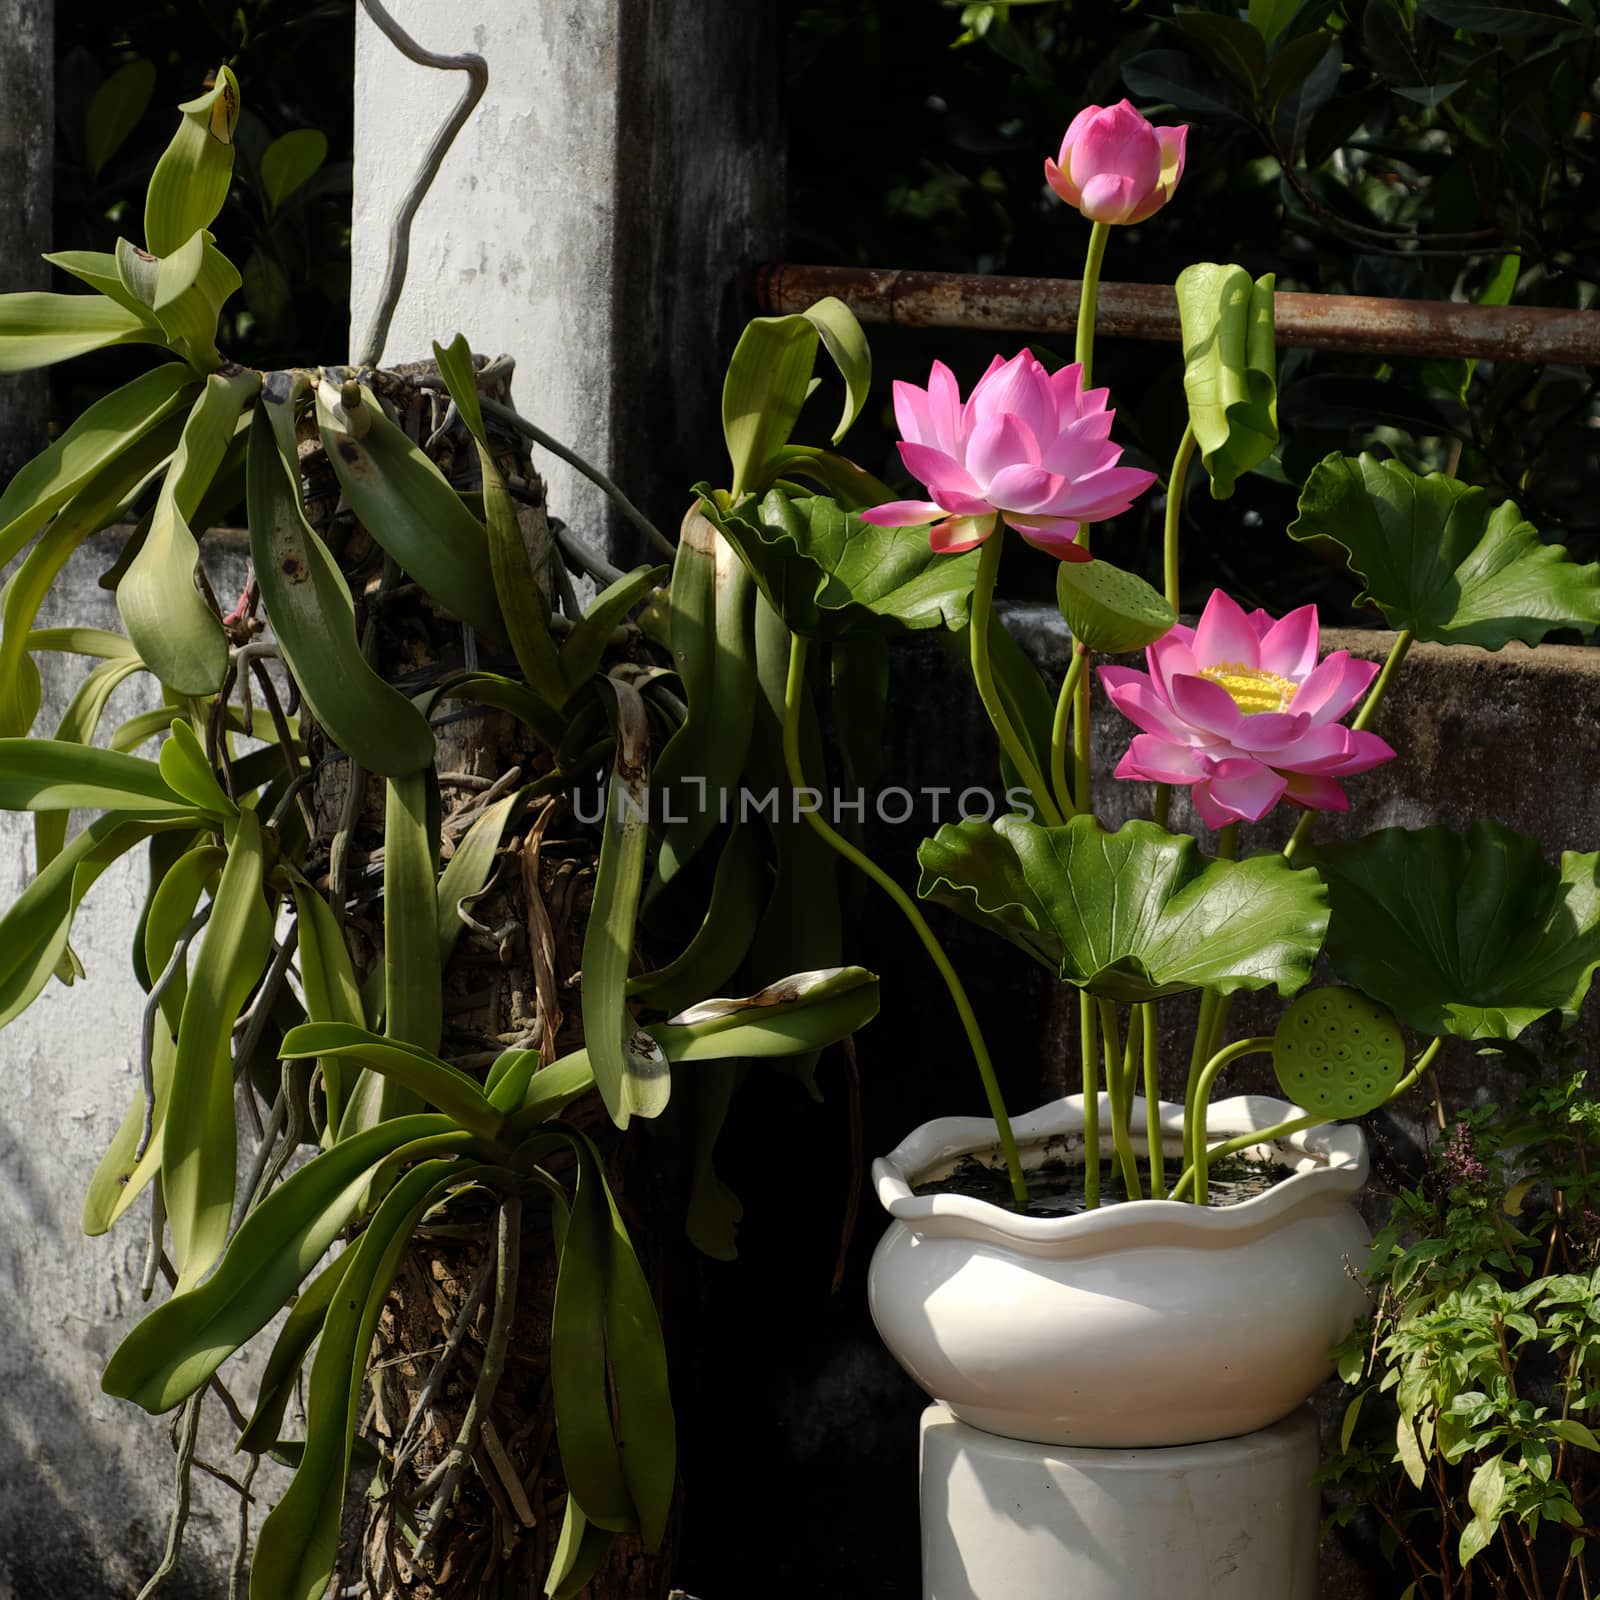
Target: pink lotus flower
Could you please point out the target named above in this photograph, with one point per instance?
(1240, 709)
(1028, 445)
(1114, 166)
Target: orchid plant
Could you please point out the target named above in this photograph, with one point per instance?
(1427, 932)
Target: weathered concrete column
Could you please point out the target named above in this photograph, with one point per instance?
(593, 218)
(27, 149)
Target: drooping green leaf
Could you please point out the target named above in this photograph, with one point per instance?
(1131, 915)
(628, 1066)
(38, 330)
(25, 591)
(405, 503)
(328, 981)
(829, 574)
(299, 1331)
(198, 1147)
(1468, 934)
(191, 179)
(110, 427)
(516, 586)
(420, 1071)
(799, 1013)
(1229, 366)
(291, 160)
(580, 1548)
(1337, 1053)
(413, 1001)
(309, 605)
(300, 1538)
(40, 775)
(173, 629)
(34, 929)
(719, 944)
(175, 1348)
(769, 377)
(1109, 609)
(713, 601)
(79, 724)
(582, 654)
(115, 111)
(1436, 559)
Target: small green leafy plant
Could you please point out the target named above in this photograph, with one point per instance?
(1469, 1436)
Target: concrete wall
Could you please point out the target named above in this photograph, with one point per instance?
(27, 144)
(593, 219)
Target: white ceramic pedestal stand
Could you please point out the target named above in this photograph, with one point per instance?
(1233, 1519)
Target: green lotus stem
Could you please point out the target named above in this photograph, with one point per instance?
(1059, 743)
(1091, 1102)
(1282, 1130)
(1152, 1099)
(1208, 1078)
(1080, 732)
(1130, 1062)
(794, 694)
(1088, 295)
(1363, 719)
(1119, 1112)
(1210, 1021)
(1161, 806)
(983, 676)
(1169, 541)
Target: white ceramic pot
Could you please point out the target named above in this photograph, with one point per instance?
(1151, 1323)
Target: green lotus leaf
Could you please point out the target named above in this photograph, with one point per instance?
(1435, 558)
(1470, 934)
(1131, 915)
(830, 575)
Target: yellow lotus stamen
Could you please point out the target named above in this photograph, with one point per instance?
(1253, 688)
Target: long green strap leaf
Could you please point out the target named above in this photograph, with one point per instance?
(38, 330)
(40, 775)
(198, 1143)
(630, 1070)
(404, 502)
(420, 1071)
(171, 626)
(310, 608)
(92, 443)
(413, 1003)
(300, 1538)
(176, 1348)
(522, 600)
(94, 505)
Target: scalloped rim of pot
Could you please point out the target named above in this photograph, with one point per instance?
(1328, 1165)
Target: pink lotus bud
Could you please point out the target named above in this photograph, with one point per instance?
(1028, 445)
(1241, 711)
(1114, 166)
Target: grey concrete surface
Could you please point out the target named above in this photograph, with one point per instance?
(594, 218)
(27, 143)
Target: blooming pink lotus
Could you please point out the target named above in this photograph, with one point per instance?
(1115, 166)
(1240, 709)
(1028, 445)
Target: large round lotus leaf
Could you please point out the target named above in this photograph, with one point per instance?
(1337, 1053)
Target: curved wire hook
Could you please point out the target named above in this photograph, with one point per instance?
(394, 273)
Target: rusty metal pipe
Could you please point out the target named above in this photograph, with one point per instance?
(1535, 334)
